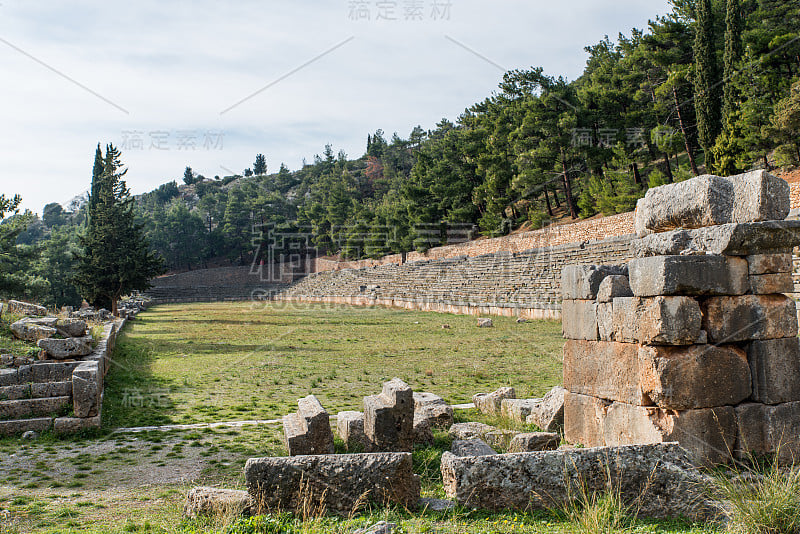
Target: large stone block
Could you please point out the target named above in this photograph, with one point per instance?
(217, 502)
(18, 307)
(579, 319)
(605, 320)
(770, 263)
(767, 430)
(87, 389)
(603, 370)
(659, 481)
(30, 330)
(584, 419)
(491, 403)
(339, 484)
(773, 237)
(308, 431)
(16, 427)
(666, 321)
(698, 376)
(517, 410)
(612, 287)
(581, 282)
(471, 447)
(548, 413)
(775, 368)
(769, 284)
(350, 427)
(63, 349)
(433, 409)
(389, 418)
(471, 430)
(688, 275)
(534, 441)
(710, 200)
(71, 327)
(709, 434)
(72, 425)
(749, 317)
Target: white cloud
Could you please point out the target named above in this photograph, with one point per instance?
(174, 66)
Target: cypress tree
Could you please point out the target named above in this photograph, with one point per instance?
(116, 258)
(707, 80)
(733, 53)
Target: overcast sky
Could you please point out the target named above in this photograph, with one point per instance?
(211, 83)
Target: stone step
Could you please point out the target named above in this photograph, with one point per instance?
(27, 408)
(36, 390)
(19, 426)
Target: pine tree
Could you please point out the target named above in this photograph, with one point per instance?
(116, 257)
(733, 53)
(260, 165)
(188, 176)
(707, 79)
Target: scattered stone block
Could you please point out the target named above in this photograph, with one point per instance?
(422, 432)
(308, 431)
(584, 419)
(63, 349)
(471, 447)
(688, 275)
(30, 331)
(775, 368)
(500, 439)
(350, 427)
(612, 287)
(604, 370)
(709, 434)
(471, 430)
(657, 480)
(432, 408)
(204, 501)
(698, 376)
(485, 323)
(765, 430)
(339, 484)
(770, 263)
(768, 284)
(749, 317)
(517, 409)
(381, 527)
(534, 441)
(491, 403)
(548, 414)
(579, 319)
(71, 327)
(389, 418)
(17, 307)
(776, 237)
(581, 282)
(87, 389)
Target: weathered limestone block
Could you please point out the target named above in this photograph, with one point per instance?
(87, 389)
(340, 484)
(698, 376)
(432, 408)
(17, 307)
(71, 327)
(548, 413)
(467, 431)
(471, 447)
(534, 441)
(710, 200)
(769, 284)
(30, 331)
(775, 368)
(72, 425)
(50, 389)
(667, 321)
(62, 349)
(16, 427)
(308, 431)
(422, 432)
(350, 427)
(517, 409)
(749, 317)
(770, 263)
(605, 320)
(491, 403)
(584, 419)
(612, 287)
(205, 501)
(485, 323)
(623, 319)
(500, 439)
(579, 319)
(657, 480)
(24, 408)
(389, 418)
(581, 282)
(709, 434)
(688, 275)
(765, 430)
(8, 377)
(603, 370)
(773, 237)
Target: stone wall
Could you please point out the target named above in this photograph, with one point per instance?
(218, 284)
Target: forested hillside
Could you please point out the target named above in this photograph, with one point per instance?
(712, 87)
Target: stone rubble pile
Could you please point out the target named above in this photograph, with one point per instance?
(694, 340)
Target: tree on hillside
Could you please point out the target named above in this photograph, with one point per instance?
(786, 123)
(260, 165)
(116, 257)
(188, 176)
(16, 280)
(707, 78)
(733, 53)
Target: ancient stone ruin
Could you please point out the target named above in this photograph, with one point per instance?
(694, 340)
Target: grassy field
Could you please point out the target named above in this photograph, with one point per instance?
(207, 363)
